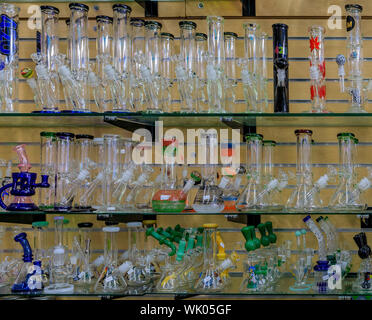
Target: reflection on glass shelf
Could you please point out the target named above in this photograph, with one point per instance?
(281, 288)
(191, 212)
(234, 120)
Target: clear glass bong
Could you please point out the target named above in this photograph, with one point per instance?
(357, 90)
(79, 57)
(262, 81)
(302, 198)
(137, 275)
(138, 50)
(249, 67)
(230, 70)
(83, 150)
(201, 71)
(317, 70)
(216, 65)
(48, 153)
(58, 266)
(269, 197)
(167, 71)
(120, 75)
(103, 46)
(150, 67)
(248, 200)
(185, 67)
(9, 57)
(209, 197)
(111, 278)
(46, 89)
(83, 274)
(40, 242)
(170, 197)
(210, 279)
(112, 169)
(348, 194)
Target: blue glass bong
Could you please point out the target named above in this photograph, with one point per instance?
(30, 277)
(23, 185)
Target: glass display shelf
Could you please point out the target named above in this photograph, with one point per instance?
(281, 288)
(188, 212)
(87, 1)
(186, 120)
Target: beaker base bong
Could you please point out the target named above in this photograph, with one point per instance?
(59, 288)
(301, 287)
(356, 109)
(199, 208)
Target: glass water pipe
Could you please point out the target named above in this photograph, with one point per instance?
(281, 66)
(201, 71)
(216, 65)
(59, 271)
(9, 53)
(209, 197)
(248, 199)
(348, 194)
(210, 278)
(230, 70)
(103, 48)
(300, 200)
(357, 90)
(111, 277)
(169, 197)
(185, 66)
(167, 71)
(317, 69)
(269, 197)
(79, 67)
(46, 87)
(249, 67)
(138, 275)
(322, 263)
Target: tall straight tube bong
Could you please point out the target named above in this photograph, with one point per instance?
(357, 91)
(122, 55)
(280, 63)
(103, 46)
(80, 54)
(230, 70)
(262, 74)
(49, 50)
(201, 71)
(138, 50)
(64, 172)
(112, 169)
(185, 69)
(317, 69)
(167, 70)
(48, 153)
(9, 57)
(299, 199)
(150, 70)
(216, 65)
(249, 71)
